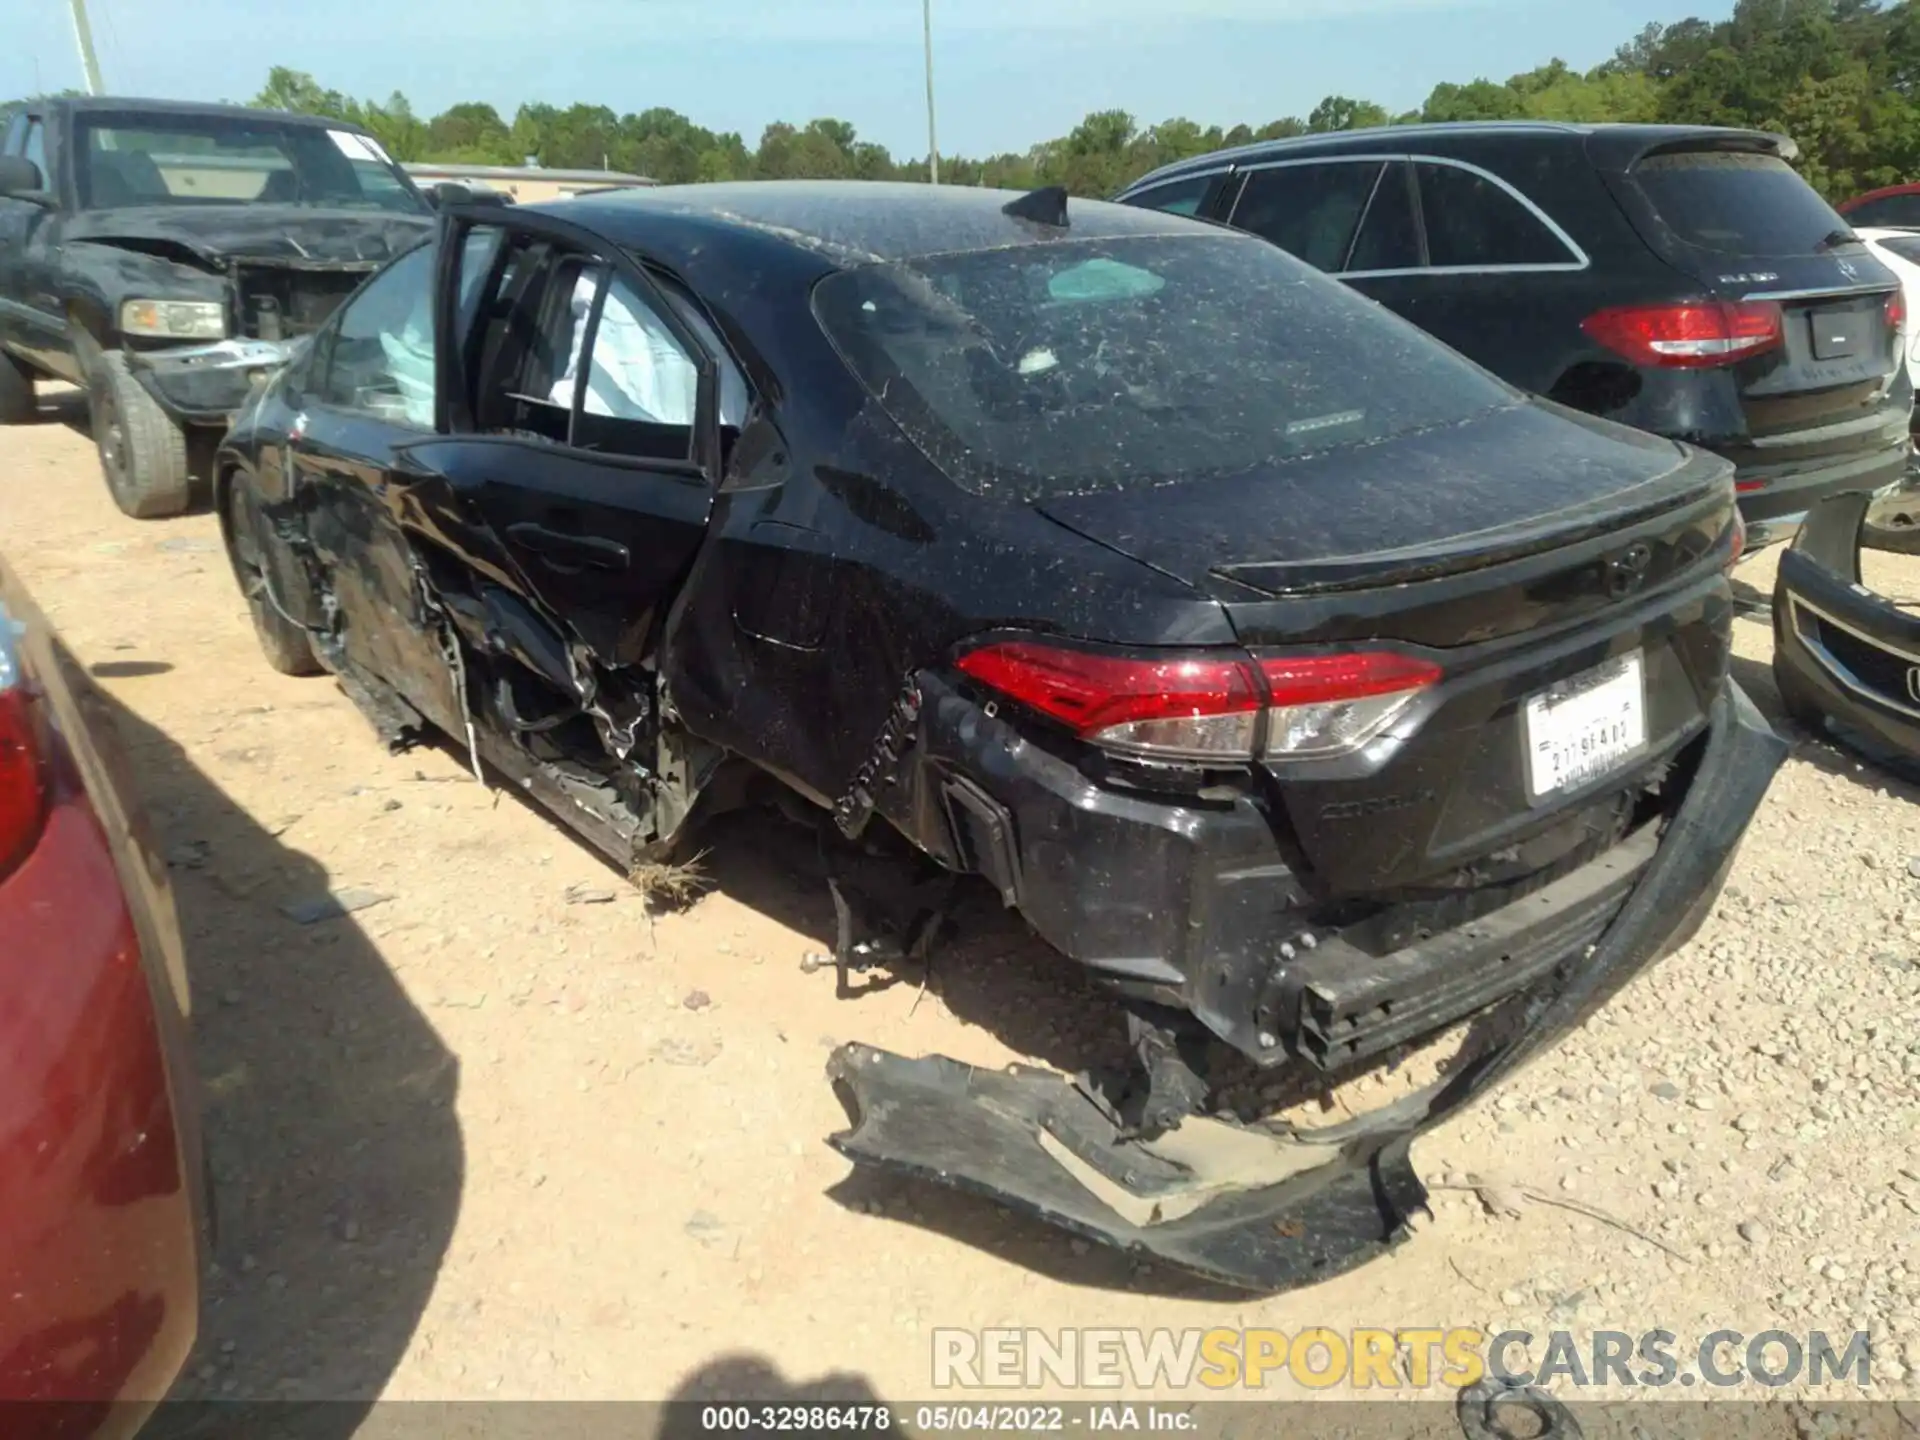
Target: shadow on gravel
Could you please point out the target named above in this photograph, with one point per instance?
(328, 1105)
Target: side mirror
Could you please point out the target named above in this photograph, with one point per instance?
(20, 179)
(449, 192)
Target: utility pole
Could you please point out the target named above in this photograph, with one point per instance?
(933, 139)
(83, 35)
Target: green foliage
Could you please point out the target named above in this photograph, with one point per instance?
(1840, 76)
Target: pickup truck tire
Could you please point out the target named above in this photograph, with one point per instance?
(143, 454)
(17, 403)
(286, 645)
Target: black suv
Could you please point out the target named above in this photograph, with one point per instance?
(165, 256)
(1683, 280)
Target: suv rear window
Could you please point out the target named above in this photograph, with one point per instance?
(1736, 203)
(1053, 369)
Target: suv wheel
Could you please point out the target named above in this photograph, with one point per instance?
(18, 406)
(142, 452)
(286, 645)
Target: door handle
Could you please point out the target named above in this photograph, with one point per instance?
(557, 548)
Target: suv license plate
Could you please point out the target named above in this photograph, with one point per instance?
(1586, 726)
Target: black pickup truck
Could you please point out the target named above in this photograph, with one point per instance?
(165, 256)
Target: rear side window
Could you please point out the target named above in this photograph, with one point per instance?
(1311, 211)
(1474, 222)
(1074, 366)
(1390, 235)
(1180, 197)
(1734, 203)
(1897, 212)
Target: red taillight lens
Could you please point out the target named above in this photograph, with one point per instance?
(1897, 311)
(1208, 706)
(1190, 706)
(23, 780)
(1690, 337)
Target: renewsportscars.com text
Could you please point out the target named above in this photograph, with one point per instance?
(1401, 1359)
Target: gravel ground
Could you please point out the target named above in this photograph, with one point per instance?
(480, 1139)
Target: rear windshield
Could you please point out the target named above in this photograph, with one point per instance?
(1734, 203)
(1052, 369)
(243, 160)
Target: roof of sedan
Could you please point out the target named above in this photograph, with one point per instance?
(851, 222)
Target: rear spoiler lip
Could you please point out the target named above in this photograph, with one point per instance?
(1615, 153)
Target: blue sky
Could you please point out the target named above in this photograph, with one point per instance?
(1009, 72)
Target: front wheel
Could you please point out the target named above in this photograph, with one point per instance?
(143, 454)
(287, 646)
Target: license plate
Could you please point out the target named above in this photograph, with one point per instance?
(1839, 334)
(1586, 726)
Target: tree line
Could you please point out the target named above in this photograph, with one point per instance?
(1840, 76)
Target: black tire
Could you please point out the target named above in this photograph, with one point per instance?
(143, 454)
(1897, 533)
(18, 404)
(288, 647)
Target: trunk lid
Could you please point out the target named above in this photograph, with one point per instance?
(1563, 572)
(1728, 211)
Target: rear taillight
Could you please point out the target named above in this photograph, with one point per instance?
(1208, 706)
(1198, 707)
(1897, 311)
(1690, 337)
(1326, 705)
(23, 778)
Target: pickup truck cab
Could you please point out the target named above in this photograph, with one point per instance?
(167, 256)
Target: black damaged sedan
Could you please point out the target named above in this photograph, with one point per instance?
(1337, 706)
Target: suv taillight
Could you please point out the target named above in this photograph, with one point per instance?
(1897, 311)
(1208, 705)
(1698, 336)
(23, 777)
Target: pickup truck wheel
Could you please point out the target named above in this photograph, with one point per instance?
(17, 403)
(287, 646)
(142, 452)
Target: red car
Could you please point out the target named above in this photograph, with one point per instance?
(1896, 207)
(102, 1189)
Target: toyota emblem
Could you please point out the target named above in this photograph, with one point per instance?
(1627, 572)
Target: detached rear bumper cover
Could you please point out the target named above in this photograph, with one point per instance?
(1262, 1211)
(1838, 646)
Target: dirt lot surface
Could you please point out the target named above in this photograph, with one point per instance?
(482, 1140)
